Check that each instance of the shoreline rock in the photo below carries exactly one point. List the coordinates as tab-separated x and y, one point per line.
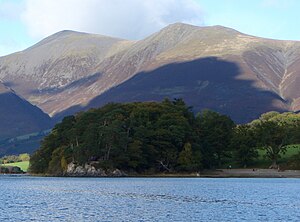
88	170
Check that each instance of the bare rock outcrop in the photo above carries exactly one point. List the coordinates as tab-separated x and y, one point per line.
89	170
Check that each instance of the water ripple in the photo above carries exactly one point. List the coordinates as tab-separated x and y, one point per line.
148	199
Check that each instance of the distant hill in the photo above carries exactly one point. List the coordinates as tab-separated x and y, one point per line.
19	117
210	67
22	144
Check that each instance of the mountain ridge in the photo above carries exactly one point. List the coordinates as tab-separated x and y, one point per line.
71	69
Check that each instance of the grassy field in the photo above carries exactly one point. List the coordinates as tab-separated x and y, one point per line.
263	162
23	165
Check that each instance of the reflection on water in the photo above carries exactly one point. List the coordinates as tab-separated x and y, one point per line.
148	199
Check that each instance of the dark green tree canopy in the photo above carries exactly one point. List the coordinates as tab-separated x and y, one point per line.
162	137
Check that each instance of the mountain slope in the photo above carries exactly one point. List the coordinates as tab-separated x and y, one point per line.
48	67
18	117
200	84
211	67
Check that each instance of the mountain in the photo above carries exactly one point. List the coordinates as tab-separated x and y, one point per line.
210	67
19	117
47	73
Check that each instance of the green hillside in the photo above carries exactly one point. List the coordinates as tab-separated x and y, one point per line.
23	165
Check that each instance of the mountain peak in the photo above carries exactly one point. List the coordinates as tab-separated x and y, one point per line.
57	36
70	37
69	68
180	25
184	26
223	29
173	33
64	33
67	31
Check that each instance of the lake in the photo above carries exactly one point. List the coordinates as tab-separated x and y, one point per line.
25	198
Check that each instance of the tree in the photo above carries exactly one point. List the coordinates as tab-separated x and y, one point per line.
189	160
141	137
294	162
24	157
215	132
244	145
274	132
39	161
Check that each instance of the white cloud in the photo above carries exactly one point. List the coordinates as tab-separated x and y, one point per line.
130	19
10	10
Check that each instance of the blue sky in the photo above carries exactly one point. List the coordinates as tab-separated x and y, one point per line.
277	19
24	22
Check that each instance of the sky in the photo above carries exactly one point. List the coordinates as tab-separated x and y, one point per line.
25	22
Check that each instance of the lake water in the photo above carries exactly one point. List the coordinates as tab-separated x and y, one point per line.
148	199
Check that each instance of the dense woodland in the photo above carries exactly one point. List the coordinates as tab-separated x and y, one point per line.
152	137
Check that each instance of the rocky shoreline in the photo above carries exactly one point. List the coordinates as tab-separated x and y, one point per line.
88	170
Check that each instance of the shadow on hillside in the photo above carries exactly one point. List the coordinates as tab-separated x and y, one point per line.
206	83
19	117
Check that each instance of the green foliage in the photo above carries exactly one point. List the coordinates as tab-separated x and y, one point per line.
189	160
24	157
244	145
274	132
161	137
214	132
23	165
294	162
21	161
135	136
55	164
15	158
39	161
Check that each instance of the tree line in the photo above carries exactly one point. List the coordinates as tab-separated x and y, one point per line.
151	137
14	158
